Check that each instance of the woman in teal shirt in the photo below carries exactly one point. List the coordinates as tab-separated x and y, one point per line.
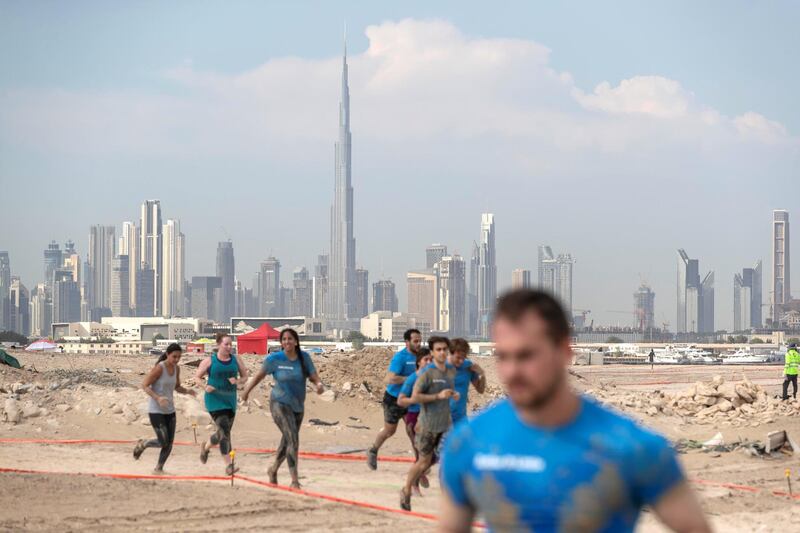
225	371
289	368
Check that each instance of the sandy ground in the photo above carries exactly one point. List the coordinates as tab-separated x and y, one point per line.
87	408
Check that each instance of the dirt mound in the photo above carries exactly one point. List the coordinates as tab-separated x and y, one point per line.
732	403
358	373
101	377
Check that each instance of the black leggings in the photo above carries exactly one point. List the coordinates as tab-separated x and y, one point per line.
164	426
289	423
786	381
224	421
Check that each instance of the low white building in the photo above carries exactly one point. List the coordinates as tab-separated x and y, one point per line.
82	330
129	327
389	327
106	348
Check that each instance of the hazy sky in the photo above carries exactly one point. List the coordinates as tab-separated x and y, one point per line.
617	132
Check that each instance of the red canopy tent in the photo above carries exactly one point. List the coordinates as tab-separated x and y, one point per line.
256	341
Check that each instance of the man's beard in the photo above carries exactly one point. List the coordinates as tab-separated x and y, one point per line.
541	399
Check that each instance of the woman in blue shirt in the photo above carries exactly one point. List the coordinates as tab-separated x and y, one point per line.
289	368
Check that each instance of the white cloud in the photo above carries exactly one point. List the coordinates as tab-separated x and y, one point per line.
755	126
647	95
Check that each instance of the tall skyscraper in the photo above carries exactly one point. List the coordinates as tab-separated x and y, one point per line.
644	307
434	254
102	247
5	285
173	273
472	291
423	296
150	249
301	293
520	279
384	296
41	311
747	294
706	318
781	267
226	271
452	294
145	292
555	276
269	282
66	298
52	260
19	304
205	296
120	290
320	287
342	265
130	244
695	297
361	307
487	274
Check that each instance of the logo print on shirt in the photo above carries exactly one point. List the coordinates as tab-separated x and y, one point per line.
516	463
285	367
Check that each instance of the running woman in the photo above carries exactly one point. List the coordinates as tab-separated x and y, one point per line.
404	400
159	384
225	371
289	368
402	365
466	372
433	391
546	458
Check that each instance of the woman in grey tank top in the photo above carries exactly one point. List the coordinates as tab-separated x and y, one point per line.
160	384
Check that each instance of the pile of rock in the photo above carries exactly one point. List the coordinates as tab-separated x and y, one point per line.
714	402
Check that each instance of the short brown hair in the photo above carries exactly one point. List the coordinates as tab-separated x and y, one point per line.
433	341
460	345
515	304
221	336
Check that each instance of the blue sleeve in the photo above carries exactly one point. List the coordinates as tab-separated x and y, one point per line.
408	386
309	364
456	459
268	366
398	364
655	469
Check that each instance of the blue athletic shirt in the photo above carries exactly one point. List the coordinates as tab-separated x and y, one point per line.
408	390
404	363
290	384
464	374
593	474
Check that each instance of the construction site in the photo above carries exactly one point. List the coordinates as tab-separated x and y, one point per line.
69	423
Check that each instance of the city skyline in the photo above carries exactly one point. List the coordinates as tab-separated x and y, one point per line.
608	271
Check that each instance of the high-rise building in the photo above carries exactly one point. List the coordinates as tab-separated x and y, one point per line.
361	308
240	299
452	295
173	273
52	260
423	296
644	308
150	249
41	311
781	267
269	282
320	287
19	304
472	291
301	293
706	318
434	254
520	279
695	297
130	244
120	290
747	294
145	292
205	296
226	270
285	300
384	296
487	274
5	285
102	249
341	298
66	298
555	276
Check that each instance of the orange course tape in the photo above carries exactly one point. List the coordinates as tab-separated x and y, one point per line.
117	476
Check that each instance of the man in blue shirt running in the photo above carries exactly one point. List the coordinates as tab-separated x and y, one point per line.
402	365
466	372
547	459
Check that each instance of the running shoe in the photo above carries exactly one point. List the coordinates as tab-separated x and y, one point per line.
405	500
372	459
423	481
138	450
273	476
204	453
231	469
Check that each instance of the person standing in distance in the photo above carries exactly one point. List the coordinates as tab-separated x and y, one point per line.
225	371
547	459
790	371
160	383
433	391
466	372
402	365
290	368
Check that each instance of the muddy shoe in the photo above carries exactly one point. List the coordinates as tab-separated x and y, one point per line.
138	450
231	469
273	476
423	481
295	485
405	501
372	459
204	453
